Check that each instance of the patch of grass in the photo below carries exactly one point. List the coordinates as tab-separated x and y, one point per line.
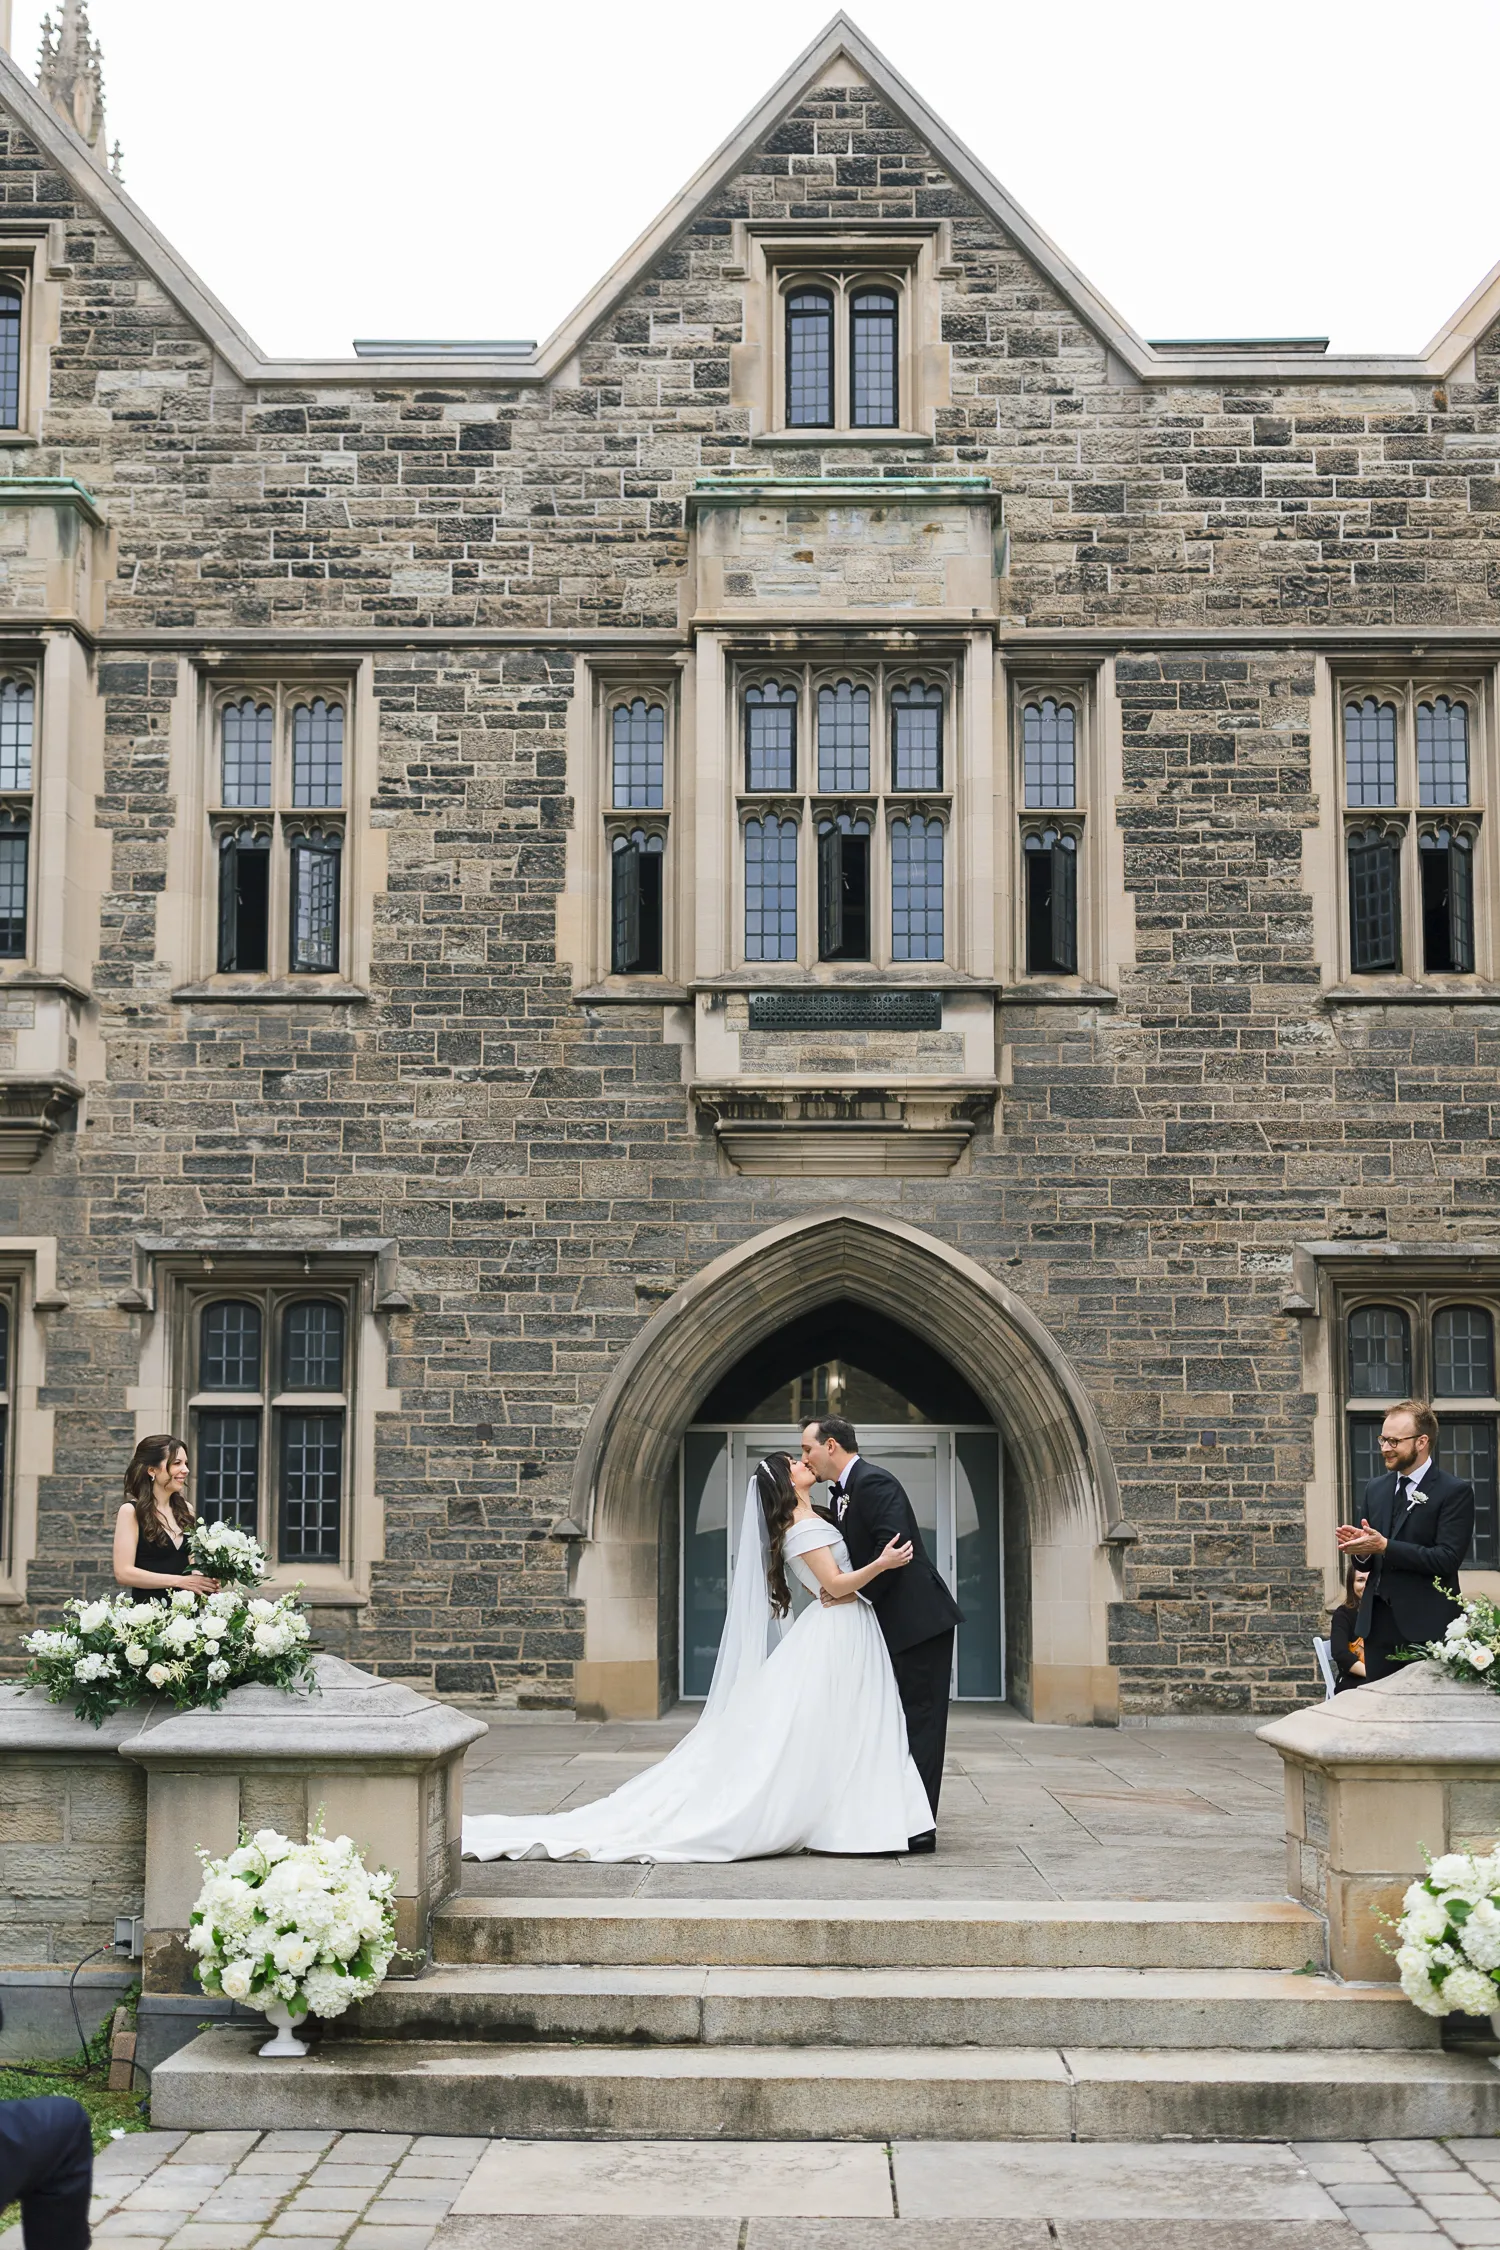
107	2111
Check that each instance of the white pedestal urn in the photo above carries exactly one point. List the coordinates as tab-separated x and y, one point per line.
383	1764
1374	1778
283	2045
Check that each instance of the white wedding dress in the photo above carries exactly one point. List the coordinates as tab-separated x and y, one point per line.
801	1746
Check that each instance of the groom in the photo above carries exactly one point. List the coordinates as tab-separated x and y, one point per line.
913	1607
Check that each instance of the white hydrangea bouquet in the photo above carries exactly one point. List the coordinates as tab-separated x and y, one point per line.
293	1929
190	1648
222	1551
1448	1957
1470	1649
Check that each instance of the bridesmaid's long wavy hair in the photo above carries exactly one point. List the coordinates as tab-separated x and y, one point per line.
778	1500
154	1453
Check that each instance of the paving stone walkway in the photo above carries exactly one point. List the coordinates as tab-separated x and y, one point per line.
1027	1812
392	2191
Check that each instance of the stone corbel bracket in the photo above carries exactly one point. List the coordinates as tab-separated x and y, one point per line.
32	1112
842	1132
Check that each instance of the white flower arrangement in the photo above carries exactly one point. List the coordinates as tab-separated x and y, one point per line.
222	1551
305	1927
1448	1954
191	1648
1470	1649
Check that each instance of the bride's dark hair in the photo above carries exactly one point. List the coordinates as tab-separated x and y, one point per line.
778	1501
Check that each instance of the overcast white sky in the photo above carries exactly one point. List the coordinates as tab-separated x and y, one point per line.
335	168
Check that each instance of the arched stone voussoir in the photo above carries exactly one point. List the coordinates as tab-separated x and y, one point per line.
624	1469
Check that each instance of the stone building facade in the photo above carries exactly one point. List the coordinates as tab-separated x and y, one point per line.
846	811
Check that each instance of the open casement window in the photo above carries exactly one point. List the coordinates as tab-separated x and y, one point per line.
865	801
636	761
271	1386
17	785
1052	828
278	823
1412	829
841	349
1425	1343
636	903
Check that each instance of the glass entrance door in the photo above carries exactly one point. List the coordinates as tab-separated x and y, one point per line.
952	1476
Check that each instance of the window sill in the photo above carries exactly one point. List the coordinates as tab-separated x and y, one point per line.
841	976
843	437
344	1595
633	992
23	979
1405	992
271	991
1075	994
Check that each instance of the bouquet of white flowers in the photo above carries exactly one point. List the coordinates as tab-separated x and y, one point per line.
1470	1649
190	1648
1448	1957
294	1929
221	1551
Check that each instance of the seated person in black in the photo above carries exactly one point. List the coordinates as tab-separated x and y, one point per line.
1348	1648
151	1529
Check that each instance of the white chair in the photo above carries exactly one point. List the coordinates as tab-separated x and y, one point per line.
1323	1651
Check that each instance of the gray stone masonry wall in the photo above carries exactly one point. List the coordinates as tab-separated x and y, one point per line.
72	1855
541	1171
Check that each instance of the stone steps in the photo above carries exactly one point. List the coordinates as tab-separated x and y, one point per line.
846	2093
881	1934
828	2008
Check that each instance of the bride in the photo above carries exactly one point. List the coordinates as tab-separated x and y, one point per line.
802	1741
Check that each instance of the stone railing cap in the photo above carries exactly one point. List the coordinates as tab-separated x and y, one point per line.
1420	1715
347	1714
29	1722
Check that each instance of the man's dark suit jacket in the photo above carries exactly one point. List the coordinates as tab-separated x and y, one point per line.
1427	1541
913	1604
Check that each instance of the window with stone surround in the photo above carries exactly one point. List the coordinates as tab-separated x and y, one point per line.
637	761
277	822
1413	767
1052	733
843	813
268	1378
1436	1343
17	789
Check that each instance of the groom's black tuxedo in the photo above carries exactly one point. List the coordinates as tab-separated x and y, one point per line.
1428	1541
915	1610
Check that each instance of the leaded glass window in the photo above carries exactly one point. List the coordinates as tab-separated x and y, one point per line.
639	732
636	904
312	1477
771	736
844	888
316	860
1379	1352
1374	900
771	889
227	1470
313	1345
843	737
17	722
809	359
917	889
1442	752
230	1356
1466	1449
10	356
1445	860
318	753
246	732
1463	1352
244	901
1370	752
1050	858
917	736
15	868
872	358
1049	741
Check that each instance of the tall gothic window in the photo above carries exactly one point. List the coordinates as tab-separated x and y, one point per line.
1412	831
770	889
843	737
270	1381
872	359
1422	1343
636	902
279	833
809	359
1052	831
917	736
10	355
917	889
842	350
771	736
17	780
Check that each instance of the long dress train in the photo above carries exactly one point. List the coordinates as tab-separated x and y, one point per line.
807	1751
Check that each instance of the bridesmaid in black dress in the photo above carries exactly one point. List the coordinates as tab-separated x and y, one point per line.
152	1527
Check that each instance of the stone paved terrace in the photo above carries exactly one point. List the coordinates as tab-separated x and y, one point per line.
1153	1811
390	2191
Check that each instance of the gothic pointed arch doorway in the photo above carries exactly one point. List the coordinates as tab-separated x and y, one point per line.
768	1297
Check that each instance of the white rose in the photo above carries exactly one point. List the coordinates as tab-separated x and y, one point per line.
159	1675
294	1953
135	1654
1469	1992
1412	1968
213	1627
1480	1936
1479	1656
182	1598
91	1615
236	1977
1451	1871
271	1844
218	1670
266	1639
262	1609
1425	1918
180	1633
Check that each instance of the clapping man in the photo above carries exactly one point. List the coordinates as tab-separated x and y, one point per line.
1415	1528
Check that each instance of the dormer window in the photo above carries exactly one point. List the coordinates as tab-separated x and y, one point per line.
842	351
